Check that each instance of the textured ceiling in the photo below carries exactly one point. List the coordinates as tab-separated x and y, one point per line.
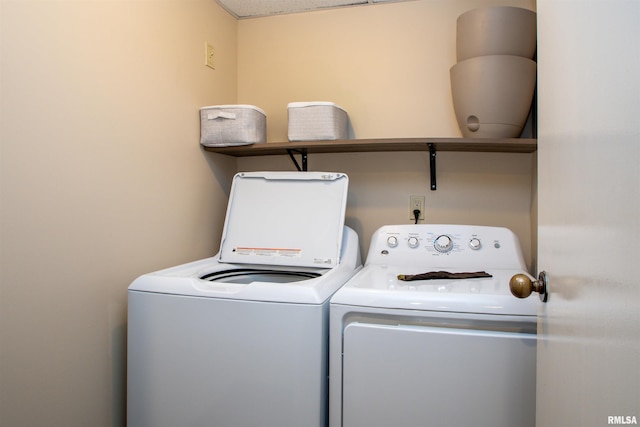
253	8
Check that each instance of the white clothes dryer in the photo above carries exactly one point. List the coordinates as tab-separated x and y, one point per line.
428	333
241	339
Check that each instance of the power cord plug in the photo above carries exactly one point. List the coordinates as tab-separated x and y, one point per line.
416	214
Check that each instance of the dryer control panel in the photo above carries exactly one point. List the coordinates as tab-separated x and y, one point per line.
441	245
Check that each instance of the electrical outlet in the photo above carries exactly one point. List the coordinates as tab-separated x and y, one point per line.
416	202
210	56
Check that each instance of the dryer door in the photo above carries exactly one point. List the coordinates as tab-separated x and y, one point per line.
433	376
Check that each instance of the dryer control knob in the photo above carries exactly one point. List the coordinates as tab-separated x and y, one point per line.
413	242
475	244
392	241
443	243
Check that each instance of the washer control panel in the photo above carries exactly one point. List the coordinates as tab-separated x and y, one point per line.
442	245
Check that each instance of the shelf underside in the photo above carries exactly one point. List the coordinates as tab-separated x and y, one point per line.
511	145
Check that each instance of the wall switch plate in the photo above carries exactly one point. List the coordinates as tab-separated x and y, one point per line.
210	56
416	202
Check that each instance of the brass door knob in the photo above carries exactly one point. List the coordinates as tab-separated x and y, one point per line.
522	286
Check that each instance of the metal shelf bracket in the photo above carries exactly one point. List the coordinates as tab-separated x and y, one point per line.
432	166
303	157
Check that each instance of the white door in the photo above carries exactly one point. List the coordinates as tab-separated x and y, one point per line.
589	212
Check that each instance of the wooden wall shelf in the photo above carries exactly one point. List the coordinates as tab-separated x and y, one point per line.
432	145
511	145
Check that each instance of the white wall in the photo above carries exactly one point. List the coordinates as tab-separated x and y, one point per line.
102	179
388	66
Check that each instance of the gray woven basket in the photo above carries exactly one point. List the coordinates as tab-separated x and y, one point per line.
227	125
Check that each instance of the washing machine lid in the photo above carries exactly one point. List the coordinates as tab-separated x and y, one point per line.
285	218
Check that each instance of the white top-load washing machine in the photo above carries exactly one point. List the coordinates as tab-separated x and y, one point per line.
241	339
450	347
